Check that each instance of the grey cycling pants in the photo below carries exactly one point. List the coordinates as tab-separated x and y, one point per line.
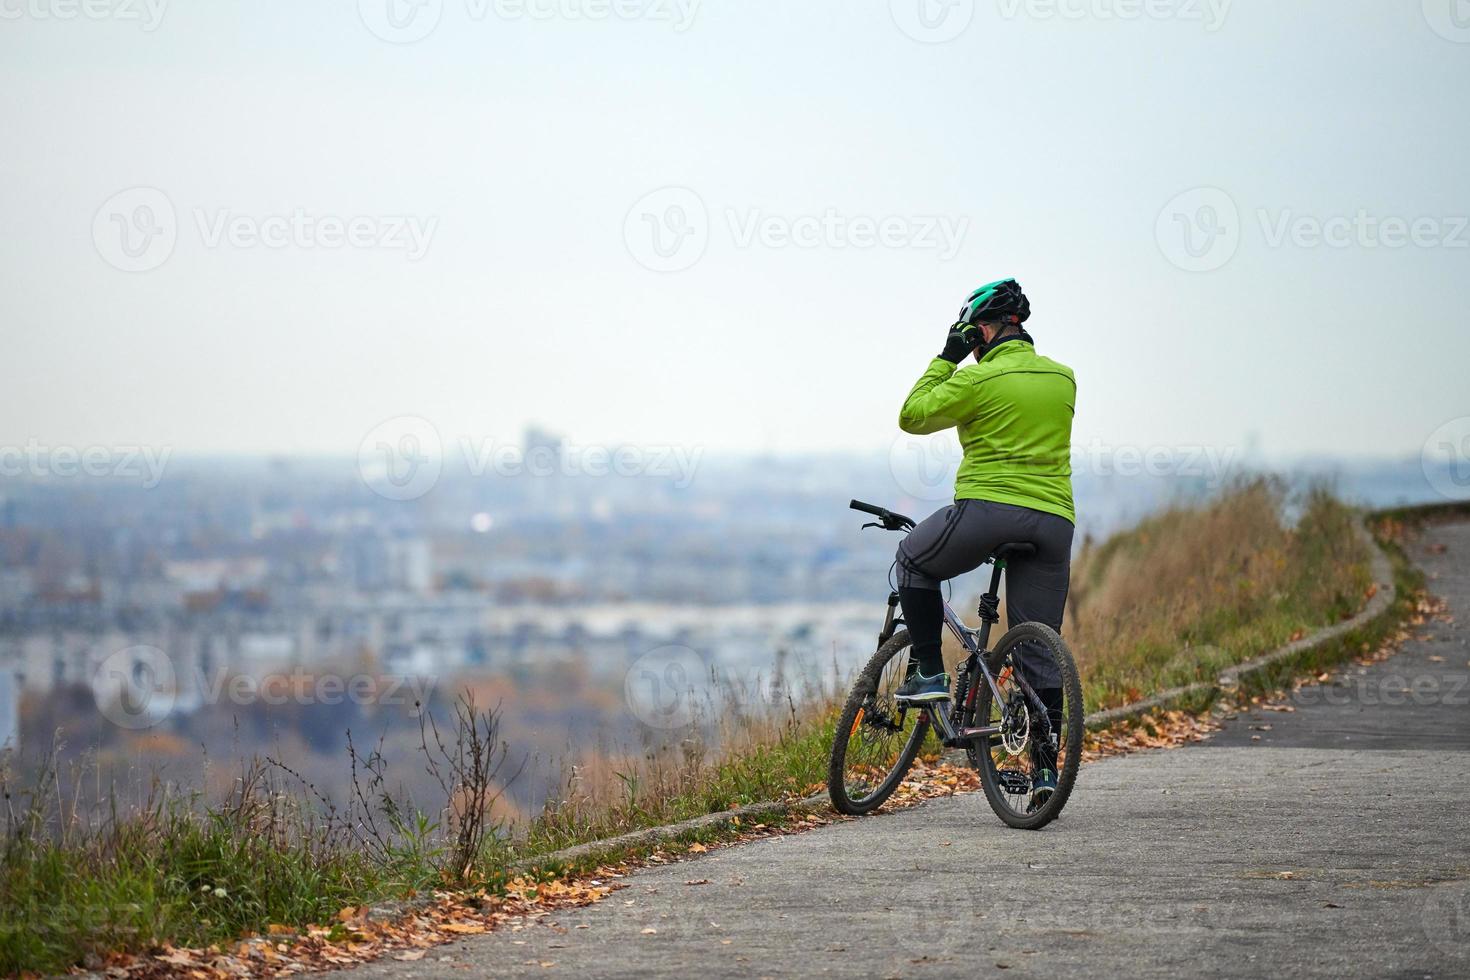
960	537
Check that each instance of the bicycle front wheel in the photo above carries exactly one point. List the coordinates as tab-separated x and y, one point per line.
876	738
1009	762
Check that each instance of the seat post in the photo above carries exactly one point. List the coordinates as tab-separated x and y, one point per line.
989	610
1000	566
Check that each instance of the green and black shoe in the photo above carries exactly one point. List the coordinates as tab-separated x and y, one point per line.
1042	787
919	688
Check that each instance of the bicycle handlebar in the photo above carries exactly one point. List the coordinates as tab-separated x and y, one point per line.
889	520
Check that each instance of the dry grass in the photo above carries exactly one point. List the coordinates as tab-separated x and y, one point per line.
752	742
1193	590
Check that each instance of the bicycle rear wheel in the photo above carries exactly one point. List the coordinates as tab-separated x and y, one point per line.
1008	762
876	739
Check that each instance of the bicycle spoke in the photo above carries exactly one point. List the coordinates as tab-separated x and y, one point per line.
877	736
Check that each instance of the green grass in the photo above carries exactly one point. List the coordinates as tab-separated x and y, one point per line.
176	871
791	762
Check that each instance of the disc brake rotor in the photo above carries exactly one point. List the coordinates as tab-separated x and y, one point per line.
1016	725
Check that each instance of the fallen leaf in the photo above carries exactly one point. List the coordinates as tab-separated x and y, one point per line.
697	849
650	931
464	928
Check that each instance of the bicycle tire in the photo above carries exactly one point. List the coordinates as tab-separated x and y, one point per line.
848	726
983	758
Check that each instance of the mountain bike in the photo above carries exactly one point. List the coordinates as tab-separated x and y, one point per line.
993	713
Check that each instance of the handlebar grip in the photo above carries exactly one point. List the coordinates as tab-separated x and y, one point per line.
868	508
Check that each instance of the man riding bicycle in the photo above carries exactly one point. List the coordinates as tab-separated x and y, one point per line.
1013	409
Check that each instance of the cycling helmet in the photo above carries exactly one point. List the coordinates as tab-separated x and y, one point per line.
1000	301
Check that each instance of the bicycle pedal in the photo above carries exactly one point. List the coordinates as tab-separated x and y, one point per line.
1016	783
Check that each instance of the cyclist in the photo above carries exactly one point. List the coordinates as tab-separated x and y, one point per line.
1013	409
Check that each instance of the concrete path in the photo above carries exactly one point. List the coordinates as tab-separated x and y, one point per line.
1333	843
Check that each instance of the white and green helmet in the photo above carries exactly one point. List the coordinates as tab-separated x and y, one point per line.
997	301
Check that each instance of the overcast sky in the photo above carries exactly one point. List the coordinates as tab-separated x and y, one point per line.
270	225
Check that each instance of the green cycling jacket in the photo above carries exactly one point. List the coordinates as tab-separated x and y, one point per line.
1014	413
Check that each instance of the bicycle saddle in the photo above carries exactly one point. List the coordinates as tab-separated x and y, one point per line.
1013	550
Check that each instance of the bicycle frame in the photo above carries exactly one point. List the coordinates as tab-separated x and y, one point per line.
977	645
975	642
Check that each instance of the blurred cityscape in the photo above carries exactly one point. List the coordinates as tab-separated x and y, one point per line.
538	591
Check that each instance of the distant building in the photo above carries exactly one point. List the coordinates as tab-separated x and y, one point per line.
9	709
543	452
411	564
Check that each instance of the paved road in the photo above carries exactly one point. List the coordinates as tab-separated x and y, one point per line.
1334	843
